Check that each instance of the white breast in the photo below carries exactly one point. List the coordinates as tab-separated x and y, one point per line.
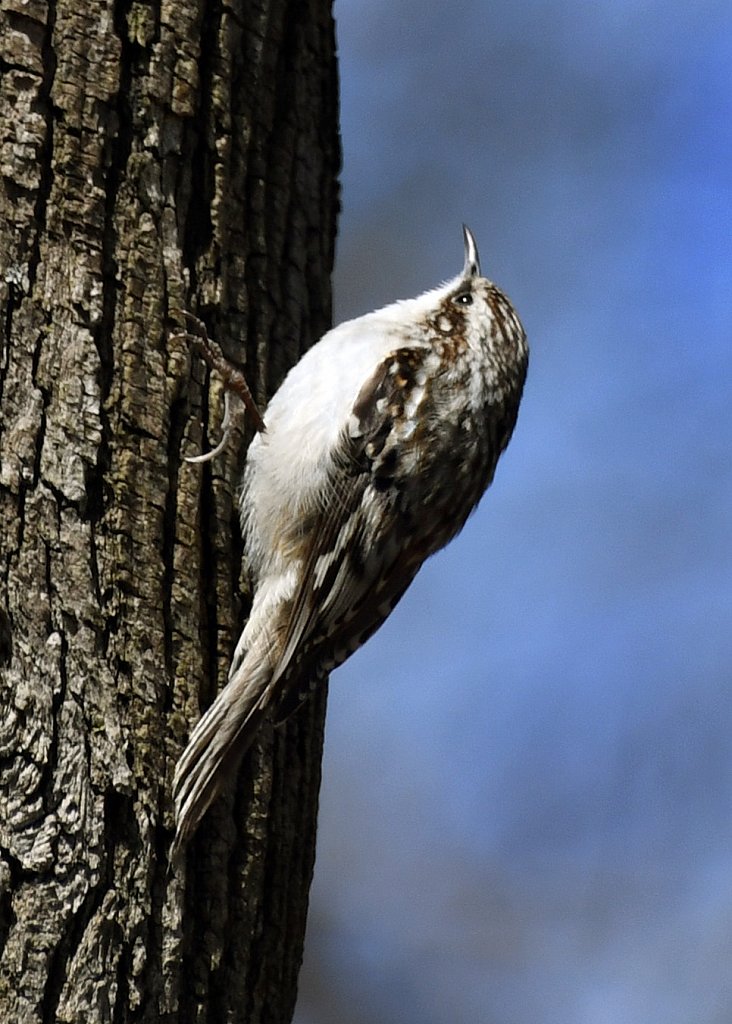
288	466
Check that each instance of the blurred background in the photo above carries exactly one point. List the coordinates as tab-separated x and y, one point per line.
527	792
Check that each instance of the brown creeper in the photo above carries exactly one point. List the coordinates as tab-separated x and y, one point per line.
376	448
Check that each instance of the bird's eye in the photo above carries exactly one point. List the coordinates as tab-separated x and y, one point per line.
463	298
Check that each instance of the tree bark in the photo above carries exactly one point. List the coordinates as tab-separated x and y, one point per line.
155	154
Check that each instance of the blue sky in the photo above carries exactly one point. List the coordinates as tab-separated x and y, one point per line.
527	793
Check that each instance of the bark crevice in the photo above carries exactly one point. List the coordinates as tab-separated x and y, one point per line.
155	155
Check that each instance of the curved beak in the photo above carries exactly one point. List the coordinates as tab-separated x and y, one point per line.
472	259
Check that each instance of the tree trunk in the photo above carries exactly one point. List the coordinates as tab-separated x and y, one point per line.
155	154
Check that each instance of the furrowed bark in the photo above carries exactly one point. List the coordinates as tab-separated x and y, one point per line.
153	155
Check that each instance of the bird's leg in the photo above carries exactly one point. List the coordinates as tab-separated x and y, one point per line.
233	379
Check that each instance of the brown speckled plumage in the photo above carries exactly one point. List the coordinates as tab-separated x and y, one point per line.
378	446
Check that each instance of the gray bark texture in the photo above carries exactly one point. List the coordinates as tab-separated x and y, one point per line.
154	154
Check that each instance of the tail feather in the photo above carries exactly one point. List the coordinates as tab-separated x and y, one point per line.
218	743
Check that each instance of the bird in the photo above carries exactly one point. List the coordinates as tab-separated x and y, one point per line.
370	457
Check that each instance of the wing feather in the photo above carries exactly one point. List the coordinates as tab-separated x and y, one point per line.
358	562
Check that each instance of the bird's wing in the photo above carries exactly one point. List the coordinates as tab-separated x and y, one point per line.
362	553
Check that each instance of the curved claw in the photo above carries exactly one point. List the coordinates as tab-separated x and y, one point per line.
225	426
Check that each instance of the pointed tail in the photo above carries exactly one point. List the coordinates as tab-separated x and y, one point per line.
218	743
